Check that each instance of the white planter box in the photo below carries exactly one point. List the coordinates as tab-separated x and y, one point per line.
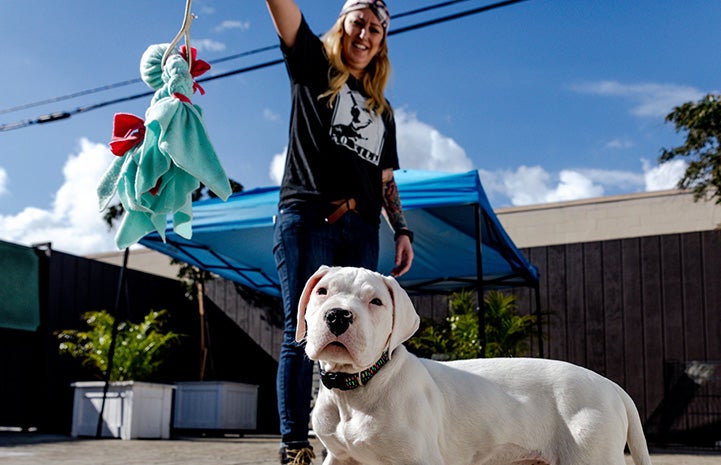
132	409
215	405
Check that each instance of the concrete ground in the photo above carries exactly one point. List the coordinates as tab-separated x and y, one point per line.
38	449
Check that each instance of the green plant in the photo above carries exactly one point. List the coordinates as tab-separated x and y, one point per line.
507	333
463	322
430	340
139	348
701	121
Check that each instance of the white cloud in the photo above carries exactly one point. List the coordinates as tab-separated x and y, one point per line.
230	24
569	185
573	185
206	9
269	115
650	99
3	181
73	223
277	166
663	176
620	144
626	181
534	185
529	185
420	147
526	186
207	45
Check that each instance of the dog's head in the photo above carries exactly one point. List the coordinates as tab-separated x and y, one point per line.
349	316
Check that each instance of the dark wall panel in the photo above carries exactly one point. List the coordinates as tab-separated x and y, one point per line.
711	257
594	305
633	361
612	303
555	302
692	295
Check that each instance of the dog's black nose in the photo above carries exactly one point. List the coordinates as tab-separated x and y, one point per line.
338	320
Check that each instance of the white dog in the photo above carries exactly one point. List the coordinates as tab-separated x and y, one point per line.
381	405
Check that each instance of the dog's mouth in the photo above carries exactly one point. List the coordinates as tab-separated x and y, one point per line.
335	347
335	351
335	356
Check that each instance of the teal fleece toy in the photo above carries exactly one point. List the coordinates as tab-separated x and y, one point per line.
163	160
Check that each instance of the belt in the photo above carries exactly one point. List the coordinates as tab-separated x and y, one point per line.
344	206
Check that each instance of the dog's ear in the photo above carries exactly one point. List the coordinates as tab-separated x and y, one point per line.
405	318
304	298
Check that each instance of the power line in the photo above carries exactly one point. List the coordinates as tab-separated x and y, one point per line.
67	114
70	96
452	17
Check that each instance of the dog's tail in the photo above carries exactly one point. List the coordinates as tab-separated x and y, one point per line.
635	437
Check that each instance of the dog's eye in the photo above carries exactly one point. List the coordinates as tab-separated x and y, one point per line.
321	291
376	301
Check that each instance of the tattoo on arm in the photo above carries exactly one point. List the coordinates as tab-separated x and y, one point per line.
392	205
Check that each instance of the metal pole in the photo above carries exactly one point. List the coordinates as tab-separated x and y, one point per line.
539	323
479	284
113	337
201	313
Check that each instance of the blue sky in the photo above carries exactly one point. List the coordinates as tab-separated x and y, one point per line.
550	100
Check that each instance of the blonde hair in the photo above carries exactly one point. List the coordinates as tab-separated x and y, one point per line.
374	78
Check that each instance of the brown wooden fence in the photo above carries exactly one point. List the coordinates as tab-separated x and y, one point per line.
636	310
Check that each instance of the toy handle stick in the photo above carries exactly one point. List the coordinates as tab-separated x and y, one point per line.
184	30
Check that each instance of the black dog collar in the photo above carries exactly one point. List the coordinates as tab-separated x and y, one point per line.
348	381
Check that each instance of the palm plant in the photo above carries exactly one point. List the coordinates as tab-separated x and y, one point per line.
139	347
507	333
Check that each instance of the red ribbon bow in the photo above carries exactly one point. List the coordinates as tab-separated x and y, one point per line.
128	131
197	67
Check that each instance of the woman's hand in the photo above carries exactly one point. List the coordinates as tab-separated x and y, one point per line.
404	256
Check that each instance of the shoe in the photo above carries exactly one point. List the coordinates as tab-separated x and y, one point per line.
301	456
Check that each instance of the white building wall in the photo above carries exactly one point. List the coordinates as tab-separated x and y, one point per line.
613	217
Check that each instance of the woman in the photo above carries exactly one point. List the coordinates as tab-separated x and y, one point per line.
338	176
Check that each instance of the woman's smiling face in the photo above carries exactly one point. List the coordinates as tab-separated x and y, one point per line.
363	36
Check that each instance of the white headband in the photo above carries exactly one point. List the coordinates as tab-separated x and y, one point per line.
378	7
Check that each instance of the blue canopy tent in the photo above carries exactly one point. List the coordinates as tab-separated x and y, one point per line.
459	242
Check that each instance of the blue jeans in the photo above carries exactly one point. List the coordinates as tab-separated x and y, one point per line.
302	242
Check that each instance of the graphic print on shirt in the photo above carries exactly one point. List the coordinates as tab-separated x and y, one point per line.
357	128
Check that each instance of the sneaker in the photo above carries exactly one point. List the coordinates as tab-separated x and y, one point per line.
301	456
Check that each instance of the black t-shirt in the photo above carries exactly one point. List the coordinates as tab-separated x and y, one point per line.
336	152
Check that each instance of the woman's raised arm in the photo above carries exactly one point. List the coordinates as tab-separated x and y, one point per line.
286	17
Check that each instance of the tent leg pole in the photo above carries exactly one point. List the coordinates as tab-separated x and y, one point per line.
539	322
479	284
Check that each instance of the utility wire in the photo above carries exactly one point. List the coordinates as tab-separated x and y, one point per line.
67	114
69	96
455	16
